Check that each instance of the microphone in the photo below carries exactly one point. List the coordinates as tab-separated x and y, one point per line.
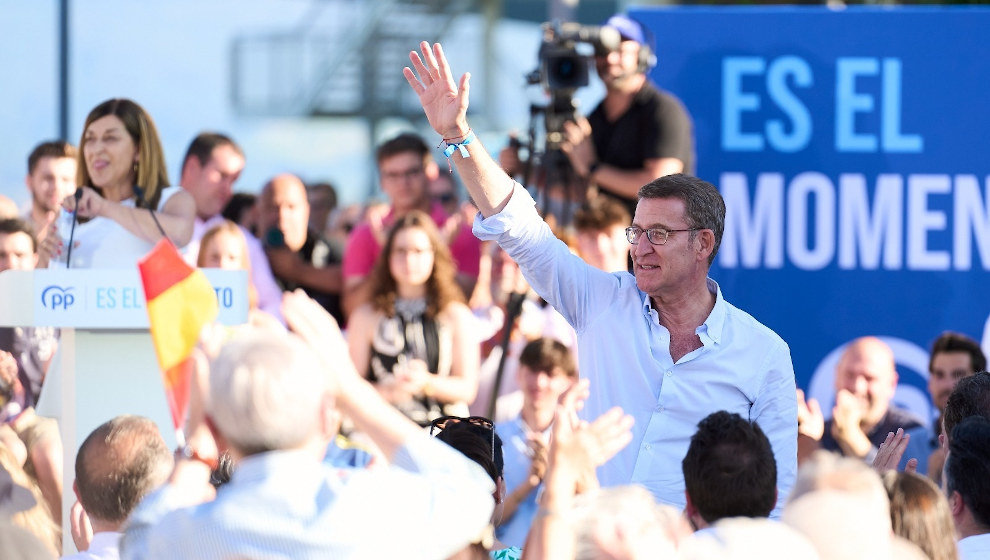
72	229
139	194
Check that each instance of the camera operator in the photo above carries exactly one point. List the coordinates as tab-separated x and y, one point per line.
637	133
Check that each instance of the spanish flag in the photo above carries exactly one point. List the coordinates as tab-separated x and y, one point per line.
180	302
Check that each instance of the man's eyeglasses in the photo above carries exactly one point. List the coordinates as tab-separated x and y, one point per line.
656	236
439	424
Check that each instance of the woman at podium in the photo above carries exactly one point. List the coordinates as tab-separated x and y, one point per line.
123	204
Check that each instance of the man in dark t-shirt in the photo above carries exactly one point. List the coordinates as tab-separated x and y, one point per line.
299	257
864	412
637	133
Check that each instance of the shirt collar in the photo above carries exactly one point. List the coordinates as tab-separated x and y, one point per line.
711	329
262	466
104	540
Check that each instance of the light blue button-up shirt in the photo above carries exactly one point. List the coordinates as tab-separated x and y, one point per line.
515	452
742	366
429	503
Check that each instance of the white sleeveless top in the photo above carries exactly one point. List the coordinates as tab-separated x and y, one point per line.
102	242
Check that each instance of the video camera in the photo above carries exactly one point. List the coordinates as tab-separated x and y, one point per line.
563	68
564	60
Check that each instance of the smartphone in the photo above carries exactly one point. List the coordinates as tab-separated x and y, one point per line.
274	238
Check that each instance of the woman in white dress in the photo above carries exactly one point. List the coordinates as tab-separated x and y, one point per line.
122	178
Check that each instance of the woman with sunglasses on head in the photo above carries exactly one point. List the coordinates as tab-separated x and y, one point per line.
123	205
413	339
476	439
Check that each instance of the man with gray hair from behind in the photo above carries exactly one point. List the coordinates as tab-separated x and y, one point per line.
119	462
840	505
275	402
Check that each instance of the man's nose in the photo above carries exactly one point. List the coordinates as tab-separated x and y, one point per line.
861	385
643	247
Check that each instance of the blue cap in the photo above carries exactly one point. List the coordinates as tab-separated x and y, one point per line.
628	28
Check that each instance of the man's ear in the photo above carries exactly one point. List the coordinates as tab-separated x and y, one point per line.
706	243
956	504
75	490
689	508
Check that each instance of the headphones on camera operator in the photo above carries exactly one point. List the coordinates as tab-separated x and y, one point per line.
632	30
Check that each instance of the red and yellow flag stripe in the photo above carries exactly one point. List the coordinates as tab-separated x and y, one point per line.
180	301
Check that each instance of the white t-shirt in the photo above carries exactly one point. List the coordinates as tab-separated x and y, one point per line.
975	547
102	242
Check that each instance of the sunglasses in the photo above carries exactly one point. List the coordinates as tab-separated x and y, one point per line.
442	422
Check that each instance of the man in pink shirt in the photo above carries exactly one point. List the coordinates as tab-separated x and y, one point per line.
406	169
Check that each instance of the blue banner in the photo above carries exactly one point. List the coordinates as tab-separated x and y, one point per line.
850	147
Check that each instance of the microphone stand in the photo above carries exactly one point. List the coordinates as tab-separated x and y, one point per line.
139	192
72	229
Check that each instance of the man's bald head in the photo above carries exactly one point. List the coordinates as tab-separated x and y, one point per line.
285	207
8	208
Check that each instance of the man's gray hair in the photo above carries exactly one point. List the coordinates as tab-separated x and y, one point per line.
266	391
703	204
625	522
840	505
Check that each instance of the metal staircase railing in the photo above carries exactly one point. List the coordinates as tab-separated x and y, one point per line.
341	60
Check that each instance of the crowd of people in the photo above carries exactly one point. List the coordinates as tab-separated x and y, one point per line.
434	379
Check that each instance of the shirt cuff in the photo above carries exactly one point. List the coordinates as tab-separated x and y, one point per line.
490	228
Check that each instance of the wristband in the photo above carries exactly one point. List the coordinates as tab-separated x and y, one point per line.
459	146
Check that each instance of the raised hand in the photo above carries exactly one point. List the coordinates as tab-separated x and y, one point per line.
50	246
811	421
311	322
80	527
538	453
890	453
444	102
847	416
584	446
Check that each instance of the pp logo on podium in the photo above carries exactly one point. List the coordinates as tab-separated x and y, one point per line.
58	298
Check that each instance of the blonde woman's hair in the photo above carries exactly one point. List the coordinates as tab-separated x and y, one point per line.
230	228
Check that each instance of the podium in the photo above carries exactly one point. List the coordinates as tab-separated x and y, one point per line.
105	364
